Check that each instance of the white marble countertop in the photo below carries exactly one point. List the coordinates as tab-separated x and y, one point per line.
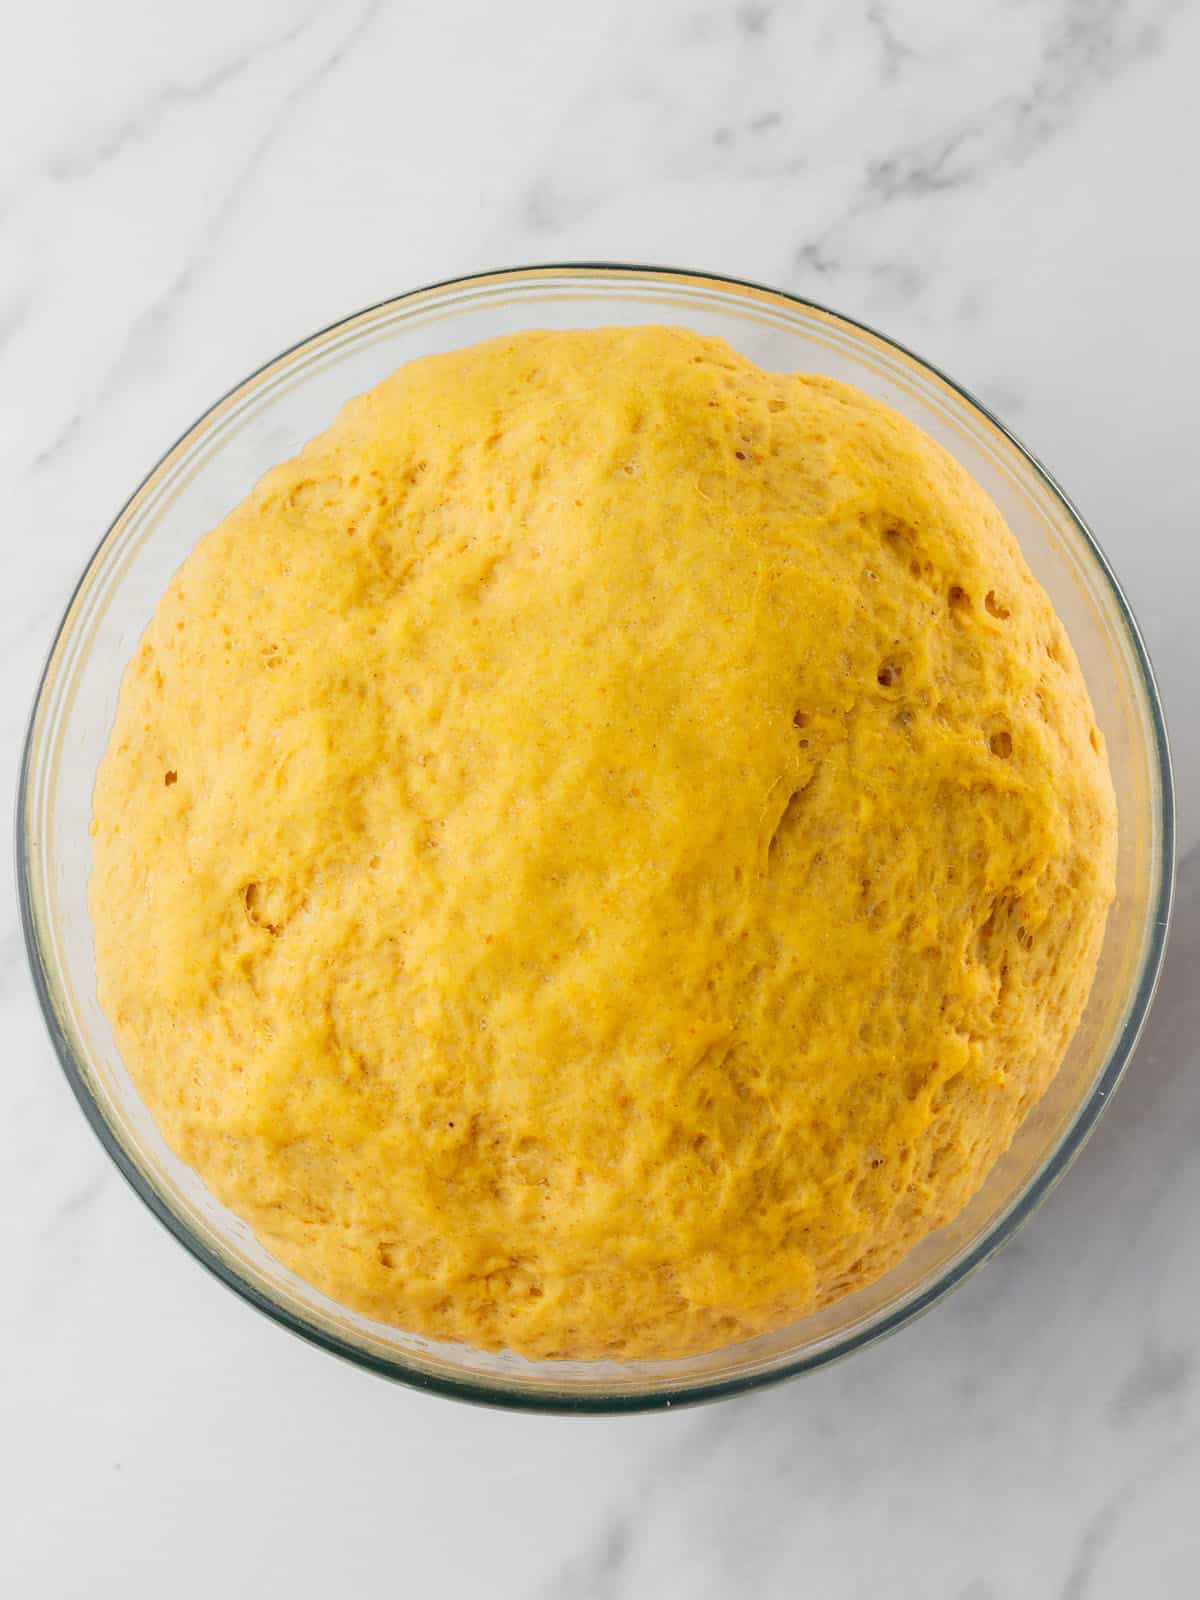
1010	188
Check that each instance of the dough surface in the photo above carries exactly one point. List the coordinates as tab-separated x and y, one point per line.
598	854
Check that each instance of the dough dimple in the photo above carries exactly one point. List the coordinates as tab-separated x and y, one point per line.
598	854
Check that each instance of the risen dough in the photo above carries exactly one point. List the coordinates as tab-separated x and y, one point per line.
598	854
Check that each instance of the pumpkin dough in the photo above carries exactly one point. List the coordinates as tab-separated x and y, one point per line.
598	854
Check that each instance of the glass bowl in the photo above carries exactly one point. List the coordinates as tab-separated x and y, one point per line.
267	418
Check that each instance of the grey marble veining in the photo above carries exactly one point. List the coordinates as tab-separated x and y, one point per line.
1009	187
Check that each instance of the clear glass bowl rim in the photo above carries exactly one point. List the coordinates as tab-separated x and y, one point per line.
1037	1187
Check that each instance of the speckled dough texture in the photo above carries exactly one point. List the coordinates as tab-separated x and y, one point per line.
598	854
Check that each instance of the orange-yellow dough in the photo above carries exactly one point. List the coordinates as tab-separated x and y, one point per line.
598	854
